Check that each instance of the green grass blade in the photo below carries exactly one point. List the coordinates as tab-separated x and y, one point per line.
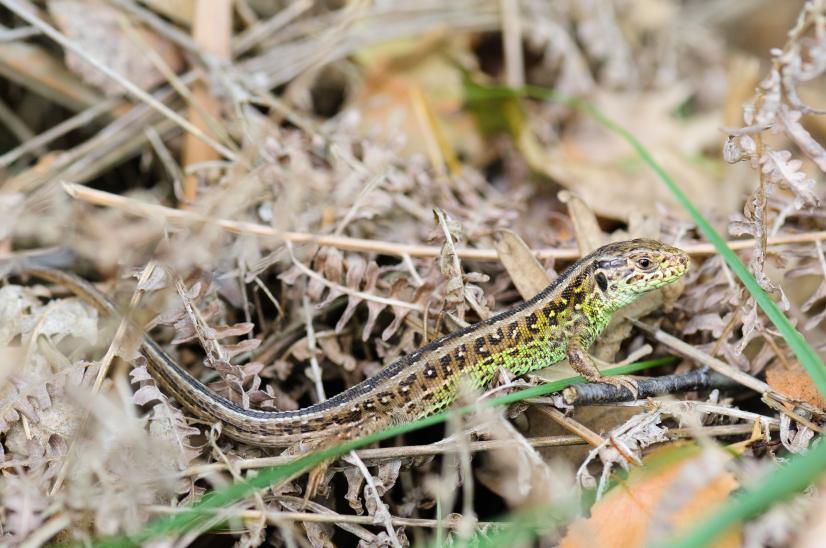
203	511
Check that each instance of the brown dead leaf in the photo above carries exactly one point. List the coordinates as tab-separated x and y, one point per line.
795	382
627	514
602	169
527	274
588	234
424	63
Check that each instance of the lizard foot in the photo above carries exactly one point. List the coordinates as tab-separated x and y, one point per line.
623	381
314	479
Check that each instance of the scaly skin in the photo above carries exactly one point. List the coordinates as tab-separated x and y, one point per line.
561	321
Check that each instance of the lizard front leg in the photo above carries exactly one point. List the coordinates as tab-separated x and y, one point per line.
583	364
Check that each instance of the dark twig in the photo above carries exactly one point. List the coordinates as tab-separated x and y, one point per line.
702	379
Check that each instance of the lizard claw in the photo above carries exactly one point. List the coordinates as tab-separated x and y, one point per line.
624	381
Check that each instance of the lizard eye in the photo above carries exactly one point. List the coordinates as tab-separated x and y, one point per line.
644	263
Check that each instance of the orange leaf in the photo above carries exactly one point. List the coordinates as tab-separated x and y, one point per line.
655	500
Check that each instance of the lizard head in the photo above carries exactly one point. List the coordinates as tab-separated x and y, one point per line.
623	271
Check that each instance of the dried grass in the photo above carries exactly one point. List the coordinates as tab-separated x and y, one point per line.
322	242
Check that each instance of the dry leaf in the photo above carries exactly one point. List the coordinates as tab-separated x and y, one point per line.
527	274
627	513
795	382
394	68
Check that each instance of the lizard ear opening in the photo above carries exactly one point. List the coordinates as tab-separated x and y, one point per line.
602	281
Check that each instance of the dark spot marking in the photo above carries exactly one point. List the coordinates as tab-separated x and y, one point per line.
430	372
353	416
445	362
411	378
427	396
602	281
514	332
554	308
481	347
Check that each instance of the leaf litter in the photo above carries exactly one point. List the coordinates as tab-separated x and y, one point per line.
365	127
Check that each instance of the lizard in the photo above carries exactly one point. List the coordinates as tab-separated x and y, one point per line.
562	321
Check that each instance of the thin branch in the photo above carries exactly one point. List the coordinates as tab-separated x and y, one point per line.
275	517
249	38
313	349
143	209
382	511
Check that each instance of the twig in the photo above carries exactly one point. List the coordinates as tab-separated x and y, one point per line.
167	160
512	42
677	408
294	504
382	511
781	408
589	436
725	369
161	26
313	349
693	353
15	124
590	394
46	531
17	33
250	37
143	209
275	517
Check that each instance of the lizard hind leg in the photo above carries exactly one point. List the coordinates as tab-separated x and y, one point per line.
315	479
317	475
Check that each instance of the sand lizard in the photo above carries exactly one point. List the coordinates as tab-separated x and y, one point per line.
560	322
